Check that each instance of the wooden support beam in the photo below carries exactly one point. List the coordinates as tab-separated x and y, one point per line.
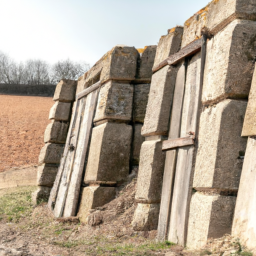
178	143
88	90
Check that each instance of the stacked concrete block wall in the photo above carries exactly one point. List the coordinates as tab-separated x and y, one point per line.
116	137
155	128
54	138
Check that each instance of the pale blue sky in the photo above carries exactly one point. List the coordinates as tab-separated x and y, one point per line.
84	30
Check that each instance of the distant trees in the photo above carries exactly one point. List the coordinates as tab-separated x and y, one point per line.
38	71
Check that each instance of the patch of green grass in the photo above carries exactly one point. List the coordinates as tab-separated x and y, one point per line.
16	203
205	252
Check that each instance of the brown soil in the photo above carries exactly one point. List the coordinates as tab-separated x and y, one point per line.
23	120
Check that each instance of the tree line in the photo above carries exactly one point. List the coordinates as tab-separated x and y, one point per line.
38	71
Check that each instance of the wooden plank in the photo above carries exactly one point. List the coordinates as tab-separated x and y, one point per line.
55	188
67	169
170	162
186	51
82	149
178	143
88	90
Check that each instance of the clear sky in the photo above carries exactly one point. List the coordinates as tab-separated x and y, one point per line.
84	30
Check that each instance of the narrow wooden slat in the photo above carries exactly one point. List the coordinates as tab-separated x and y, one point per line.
178	143
82	149
186	51
88	90
170	160
54	190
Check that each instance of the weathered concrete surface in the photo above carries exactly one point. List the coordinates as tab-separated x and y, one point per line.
249	127
46	174
150	177
146	217
81	85
109	153
146	61
168	44
51	153
65	90
17	177
92	197
244	224
56	132
114	102
210	217
220	146
141	93
41	195
138	139
120	63
159	102
229	66
60	111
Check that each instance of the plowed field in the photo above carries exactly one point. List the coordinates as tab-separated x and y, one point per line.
23	120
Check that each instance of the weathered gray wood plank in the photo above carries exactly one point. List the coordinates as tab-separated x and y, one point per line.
88	90
178	143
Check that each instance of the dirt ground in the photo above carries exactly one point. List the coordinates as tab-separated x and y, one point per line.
23	120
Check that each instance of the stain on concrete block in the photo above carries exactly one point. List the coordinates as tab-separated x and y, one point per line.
46	174
109	153
221	148
210	217
41	195
138	139
51	153
151	168
92	197
56	132
146	217
114	102
65	90
141	93
60	111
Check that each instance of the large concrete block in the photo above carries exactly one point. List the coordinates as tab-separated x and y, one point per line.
41	195
151	168
168	44
46	174
146	62
229	62
114	102
81	85
92	197
56	132
158	111
141	93
244	224
146	217
210	217
109	153
65	90
138	139
220	146
51	153
60	111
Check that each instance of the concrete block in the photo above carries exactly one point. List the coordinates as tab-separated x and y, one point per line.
65	90
210	217
46	174
138	139
158	111
41	195
146	217
146	62
221	148
168	44
109	153
114	102
81	85
56	132
51	153
92	197
60	111
229	62
151	168
244	224
141	93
